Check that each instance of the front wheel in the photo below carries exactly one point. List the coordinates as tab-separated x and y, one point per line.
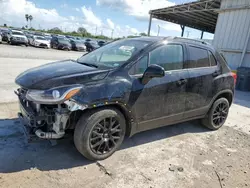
100	133
217	115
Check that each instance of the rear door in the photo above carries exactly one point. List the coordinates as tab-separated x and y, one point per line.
202	69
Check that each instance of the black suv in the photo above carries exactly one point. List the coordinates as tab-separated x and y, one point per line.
125	87
61	43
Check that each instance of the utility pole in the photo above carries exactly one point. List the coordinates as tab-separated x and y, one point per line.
158	30
188	33
95	30
112	32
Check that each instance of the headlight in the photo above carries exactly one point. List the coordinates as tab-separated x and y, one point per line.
52	96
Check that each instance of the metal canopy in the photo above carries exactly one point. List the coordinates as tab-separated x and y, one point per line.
201	15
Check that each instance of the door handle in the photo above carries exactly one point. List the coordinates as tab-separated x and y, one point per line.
216	73
181	82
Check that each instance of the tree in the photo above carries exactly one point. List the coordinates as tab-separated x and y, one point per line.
30	18
82	31
5	25
27	18
143	34
55	30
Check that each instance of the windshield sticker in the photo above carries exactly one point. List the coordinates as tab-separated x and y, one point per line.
127	48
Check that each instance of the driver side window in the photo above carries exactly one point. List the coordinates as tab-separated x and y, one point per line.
170	57
140	66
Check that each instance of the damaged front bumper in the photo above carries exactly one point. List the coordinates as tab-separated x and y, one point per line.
41	120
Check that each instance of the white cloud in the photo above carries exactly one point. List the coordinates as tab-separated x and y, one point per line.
111	25
12	12
170	26
138	8
77	9
90	18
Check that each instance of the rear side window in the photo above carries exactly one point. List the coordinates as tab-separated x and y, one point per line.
212	59
198	57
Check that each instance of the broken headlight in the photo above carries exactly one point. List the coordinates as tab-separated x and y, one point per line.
54	95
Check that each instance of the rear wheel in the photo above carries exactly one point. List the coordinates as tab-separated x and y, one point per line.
100	133
217	115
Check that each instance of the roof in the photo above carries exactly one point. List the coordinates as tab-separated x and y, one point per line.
200	15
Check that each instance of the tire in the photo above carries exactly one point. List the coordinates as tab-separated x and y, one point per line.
90	124
217	114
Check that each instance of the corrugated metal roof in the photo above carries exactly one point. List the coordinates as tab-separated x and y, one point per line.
200	15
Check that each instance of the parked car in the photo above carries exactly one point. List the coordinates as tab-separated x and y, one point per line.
18	37
6	36
101	43
40	41
91	45
0	37
30	38
61	43
128	86
77	45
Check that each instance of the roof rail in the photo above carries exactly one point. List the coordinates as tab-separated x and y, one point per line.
193	40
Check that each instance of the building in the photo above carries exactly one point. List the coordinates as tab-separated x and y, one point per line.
229	20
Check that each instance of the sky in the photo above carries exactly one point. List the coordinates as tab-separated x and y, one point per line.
108	17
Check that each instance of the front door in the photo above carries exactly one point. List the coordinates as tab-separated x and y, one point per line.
162	100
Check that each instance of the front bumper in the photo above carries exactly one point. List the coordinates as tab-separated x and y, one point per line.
41	120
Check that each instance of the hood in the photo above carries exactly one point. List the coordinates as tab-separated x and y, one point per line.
20	36
58	74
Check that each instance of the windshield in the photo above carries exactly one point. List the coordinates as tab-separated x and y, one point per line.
17	33
63	40
40	38
114	54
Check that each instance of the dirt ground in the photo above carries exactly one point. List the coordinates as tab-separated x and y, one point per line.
181	156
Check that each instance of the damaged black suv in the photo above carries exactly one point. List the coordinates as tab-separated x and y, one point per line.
125	87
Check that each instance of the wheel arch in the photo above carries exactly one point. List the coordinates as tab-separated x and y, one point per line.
228	94
126	113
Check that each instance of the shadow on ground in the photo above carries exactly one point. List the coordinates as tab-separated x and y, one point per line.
17	156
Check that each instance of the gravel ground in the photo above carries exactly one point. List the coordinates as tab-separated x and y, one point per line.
183	155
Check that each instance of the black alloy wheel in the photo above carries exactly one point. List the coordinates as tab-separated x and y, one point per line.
99	133
105	135
217	114
220	114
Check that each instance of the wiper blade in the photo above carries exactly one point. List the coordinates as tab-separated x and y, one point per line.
89	64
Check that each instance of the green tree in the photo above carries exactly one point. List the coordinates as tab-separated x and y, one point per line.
143	34
27	18
82	30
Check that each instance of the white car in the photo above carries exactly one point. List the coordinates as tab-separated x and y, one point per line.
40	41
18	37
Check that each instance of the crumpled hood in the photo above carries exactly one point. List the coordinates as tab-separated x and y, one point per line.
57	74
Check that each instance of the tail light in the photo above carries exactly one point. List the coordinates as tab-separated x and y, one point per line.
234	75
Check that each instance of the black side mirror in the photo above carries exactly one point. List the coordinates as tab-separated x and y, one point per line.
153	71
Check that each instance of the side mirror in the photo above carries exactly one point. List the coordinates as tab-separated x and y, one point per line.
153	71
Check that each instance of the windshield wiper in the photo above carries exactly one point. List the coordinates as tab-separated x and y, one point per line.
89	64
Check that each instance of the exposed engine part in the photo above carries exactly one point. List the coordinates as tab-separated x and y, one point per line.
59	126
61	118
48	135
38	107
73	106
